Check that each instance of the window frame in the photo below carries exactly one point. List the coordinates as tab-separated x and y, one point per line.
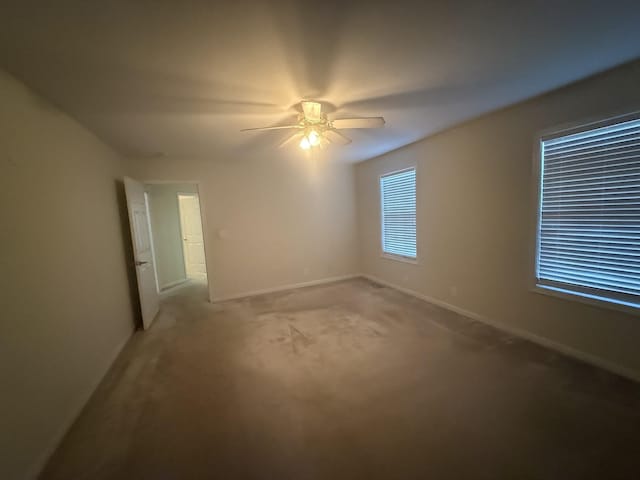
387	255
551	288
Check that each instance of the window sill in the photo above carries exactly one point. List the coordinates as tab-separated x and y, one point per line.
589	299
398	258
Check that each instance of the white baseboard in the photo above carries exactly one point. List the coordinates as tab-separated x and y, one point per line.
74	413
175	283
517	332
177	286
290	286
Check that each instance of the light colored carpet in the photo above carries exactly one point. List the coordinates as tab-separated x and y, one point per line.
346	381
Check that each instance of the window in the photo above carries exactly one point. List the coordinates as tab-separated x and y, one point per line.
398	195
589	213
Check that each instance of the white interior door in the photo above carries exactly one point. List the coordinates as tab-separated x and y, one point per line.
142	251
192	238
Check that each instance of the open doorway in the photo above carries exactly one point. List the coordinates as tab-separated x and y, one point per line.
177	234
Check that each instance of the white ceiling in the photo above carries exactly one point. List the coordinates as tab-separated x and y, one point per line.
182	78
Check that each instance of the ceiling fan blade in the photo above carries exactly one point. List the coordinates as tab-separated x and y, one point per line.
335	136
362	122
312	111
277	127
291	138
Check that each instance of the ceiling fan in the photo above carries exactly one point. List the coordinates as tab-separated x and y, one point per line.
314	129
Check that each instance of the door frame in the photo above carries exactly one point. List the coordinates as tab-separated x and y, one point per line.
206	238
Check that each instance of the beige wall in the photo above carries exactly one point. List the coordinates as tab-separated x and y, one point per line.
65	309
165	224
268	222
474	220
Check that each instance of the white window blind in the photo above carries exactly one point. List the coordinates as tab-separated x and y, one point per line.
398	195
589	219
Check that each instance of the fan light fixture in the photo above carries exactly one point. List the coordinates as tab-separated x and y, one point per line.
317	130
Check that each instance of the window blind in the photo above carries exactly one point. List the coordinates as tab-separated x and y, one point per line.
589	221
398	195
